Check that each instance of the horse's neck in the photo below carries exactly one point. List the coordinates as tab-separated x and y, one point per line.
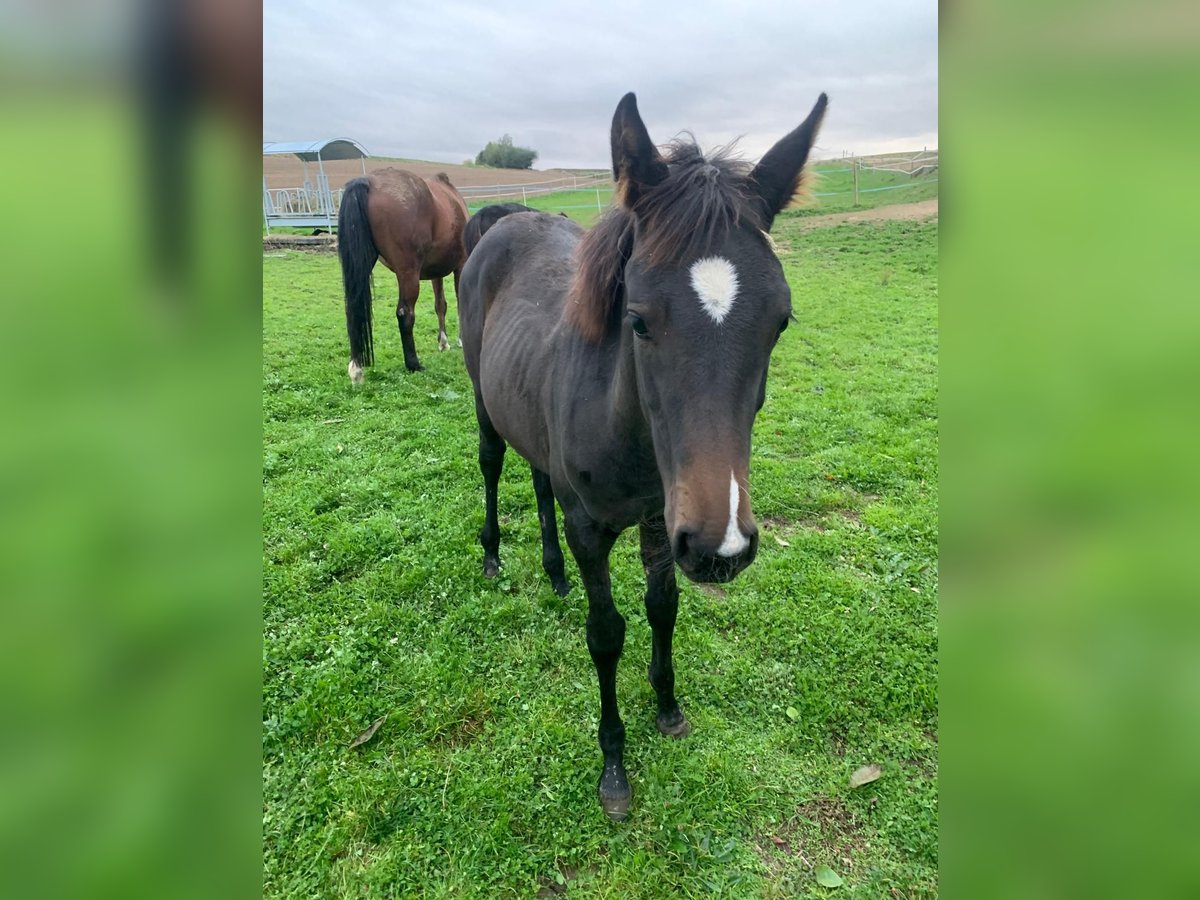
625	403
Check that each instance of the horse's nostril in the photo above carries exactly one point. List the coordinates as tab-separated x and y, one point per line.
682	540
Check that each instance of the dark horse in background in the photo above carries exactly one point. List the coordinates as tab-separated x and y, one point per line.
478	224
415	225
627	365
482	221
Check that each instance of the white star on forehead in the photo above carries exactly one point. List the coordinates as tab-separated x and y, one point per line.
716	283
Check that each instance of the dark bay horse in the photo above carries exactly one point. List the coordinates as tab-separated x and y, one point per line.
478	224
415	225
627	365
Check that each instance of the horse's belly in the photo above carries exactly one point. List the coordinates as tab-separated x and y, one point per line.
513	378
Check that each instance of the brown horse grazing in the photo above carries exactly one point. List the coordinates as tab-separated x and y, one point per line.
416	226
627	365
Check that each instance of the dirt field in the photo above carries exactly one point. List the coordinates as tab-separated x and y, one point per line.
922	209
287	171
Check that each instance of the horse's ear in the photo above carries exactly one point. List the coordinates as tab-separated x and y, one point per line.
777	175
637	164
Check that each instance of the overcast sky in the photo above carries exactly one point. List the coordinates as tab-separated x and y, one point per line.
438	79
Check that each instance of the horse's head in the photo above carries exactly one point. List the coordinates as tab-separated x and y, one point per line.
705	301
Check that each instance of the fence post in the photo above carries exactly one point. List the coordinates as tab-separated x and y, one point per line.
524	199
267	209
599	208
854	169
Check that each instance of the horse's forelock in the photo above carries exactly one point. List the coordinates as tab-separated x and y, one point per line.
698	203
595	295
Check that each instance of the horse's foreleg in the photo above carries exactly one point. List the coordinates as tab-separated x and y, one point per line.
662	603
552	556
406	315
590	544
439	303
491	464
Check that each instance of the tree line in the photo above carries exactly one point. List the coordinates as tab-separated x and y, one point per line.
503	154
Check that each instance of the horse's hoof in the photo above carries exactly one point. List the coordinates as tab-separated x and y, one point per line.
417	368
614	793
443	344
616	808
562	587
490	569
676	729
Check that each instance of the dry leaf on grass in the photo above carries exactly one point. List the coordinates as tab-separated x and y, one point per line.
865	775
368	734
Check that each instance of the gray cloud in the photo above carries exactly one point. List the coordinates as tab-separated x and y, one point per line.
431	79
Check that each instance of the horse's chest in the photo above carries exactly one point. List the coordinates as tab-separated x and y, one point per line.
617	481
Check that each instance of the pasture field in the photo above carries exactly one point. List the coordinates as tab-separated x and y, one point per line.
579	205
874	189
481	781
834	181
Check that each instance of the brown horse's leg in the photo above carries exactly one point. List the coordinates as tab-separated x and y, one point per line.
439	303
590	544
410	289
552	555
662	602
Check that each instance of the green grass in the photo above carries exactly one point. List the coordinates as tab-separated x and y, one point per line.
818	659
579	205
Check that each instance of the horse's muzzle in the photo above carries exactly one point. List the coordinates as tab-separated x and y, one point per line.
704	564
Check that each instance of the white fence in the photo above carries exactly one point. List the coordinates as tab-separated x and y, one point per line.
313	206
598	184
918	164
302	202
534	188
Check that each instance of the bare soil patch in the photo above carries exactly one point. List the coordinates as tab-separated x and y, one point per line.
921	209
841	837
288	172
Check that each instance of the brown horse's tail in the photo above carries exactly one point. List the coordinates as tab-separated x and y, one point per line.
356	249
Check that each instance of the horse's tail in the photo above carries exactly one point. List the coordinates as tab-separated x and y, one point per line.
357	251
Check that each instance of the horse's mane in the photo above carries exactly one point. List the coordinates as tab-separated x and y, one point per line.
698	202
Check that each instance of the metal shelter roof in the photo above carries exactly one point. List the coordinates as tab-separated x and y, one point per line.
311	151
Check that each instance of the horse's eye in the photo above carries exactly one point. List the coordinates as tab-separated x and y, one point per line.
638	324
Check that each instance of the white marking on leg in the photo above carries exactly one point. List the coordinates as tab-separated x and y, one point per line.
735	542
716	284
443	343
356	372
